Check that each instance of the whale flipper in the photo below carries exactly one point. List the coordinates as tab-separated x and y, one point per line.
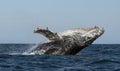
68	42
48	34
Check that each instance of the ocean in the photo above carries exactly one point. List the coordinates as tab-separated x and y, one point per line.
97	57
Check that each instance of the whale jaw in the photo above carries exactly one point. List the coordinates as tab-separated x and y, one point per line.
67	43
81	38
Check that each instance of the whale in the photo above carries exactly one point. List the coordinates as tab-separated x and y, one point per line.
68	42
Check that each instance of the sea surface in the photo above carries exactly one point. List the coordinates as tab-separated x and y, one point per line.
97	57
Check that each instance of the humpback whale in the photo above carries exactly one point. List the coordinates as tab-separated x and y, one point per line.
69	42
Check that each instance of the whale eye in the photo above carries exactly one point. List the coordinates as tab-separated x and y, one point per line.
88	37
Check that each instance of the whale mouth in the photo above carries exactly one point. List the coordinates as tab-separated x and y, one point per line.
100	30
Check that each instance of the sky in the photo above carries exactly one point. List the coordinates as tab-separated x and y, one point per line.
18	18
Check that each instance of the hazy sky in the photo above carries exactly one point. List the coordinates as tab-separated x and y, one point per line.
18	18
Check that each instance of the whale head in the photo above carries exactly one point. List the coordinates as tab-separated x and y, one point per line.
80	38
92	34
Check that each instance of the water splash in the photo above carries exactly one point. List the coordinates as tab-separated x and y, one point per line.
28	52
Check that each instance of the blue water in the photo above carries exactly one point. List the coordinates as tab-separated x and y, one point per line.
97	57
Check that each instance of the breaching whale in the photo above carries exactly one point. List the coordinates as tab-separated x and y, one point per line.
69	42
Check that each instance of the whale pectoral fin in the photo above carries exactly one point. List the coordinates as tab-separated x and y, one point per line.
47	33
